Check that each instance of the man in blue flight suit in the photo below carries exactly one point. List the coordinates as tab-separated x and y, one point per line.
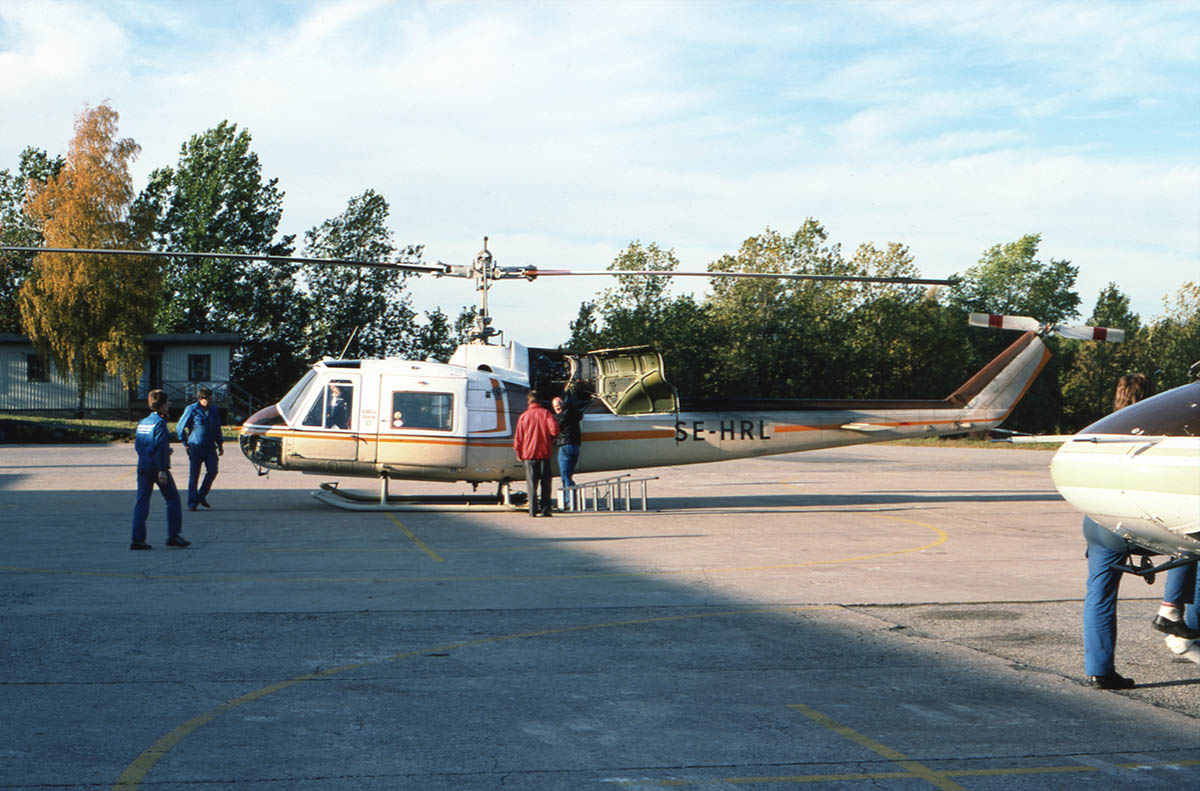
199	428
154	467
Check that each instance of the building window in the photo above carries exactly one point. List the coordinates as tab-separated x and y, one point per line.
199	367
35	369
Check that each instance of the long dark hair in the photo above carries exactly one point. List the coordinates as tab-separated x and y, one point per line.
1131	388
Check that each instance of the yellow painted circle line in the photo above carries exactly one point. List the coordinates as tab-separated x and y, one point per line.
132	777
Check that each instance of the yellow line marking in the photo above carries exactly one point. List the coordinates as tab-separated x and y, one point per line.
132	777
413	536
936	779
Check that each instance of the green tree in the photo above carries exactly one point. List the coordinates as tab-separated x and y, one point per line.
1009	279
215	200
1173	339
634	308
361	309
1090	369
638	310
18	229
585	330
900	342
88	313
436	337
781	338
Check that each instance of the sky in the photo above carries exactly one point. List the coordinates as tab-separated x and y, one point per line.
564	131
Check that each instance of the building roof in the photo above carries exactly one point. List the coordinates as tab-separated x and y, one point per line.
213	338
208	338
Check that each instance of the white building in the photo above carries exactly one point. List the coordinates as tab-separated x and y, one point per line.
177	364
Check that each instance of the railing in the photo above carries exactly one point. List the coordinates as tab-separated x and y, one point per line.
236	403
613	490
244	399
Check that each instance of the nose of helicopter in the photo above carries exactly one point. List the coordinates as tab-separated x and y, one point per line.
257	445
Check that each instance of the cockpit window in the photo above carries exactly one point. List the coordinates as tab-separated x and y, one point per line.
288	403
334	407
1175	413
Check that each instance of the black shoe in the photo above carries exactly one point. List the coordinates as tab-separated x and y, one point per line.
178	541
1177	628
140	545
1111	681
204	503
191	508
547	513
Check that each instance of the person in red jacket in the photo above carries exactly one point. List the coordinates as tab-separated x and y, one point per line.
534	442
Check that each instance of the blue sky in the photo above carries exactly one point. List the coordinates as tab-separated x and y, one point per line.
564	131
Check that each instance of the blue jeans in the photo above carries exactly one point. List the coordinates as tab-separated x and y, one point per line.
1179	589
568	457
141	510
1100	609
196	457
1182	588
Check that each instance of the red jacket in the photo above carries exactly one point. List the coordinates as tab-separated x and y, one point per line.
536	430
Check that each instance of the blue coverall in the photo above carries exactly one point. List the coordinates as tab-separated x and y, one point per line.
154	458
200	430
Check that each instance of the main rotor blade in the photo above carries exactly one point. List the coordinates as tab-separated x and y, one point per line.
437	269
532	273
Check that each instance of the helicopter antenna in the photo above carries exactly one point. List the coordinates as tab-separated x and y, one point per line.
349	340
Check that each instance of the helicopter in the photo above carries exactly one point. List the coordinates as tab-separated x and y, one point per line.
449	422
1136	472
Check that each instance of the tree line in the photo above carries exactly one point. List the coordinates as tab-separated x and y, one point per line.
748	338
88	313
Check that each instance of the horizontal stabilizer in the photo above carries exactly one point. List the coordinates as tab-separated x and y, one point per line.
864	427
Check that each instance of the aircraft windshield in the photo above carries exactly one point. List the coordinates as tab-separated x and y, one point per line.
1175	413
287	404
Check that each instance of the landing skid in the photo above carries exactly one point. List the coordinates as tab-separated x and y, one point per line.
503	500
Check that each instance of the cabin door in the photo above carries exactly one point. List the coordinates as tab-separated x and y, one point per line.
422	422
330	425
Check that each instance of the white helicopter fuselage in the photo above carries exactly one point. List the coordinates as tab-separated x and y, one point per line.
454	421
1137	472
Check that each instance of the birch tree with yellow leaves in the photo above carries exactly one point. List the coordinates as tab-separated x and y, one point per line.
89	312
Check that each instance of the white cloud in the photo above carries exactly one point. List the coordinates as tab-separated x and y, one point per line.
566	130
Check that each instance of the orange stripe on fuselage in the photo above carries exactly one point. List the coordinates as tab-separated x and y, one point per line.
408	440
650	433
501	421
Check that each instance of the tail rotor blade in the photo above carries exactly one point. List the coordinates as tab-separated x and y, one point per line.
1022	323
1084	333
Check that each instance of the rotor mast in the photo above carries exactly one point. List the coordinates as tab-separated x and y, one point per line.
481	271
